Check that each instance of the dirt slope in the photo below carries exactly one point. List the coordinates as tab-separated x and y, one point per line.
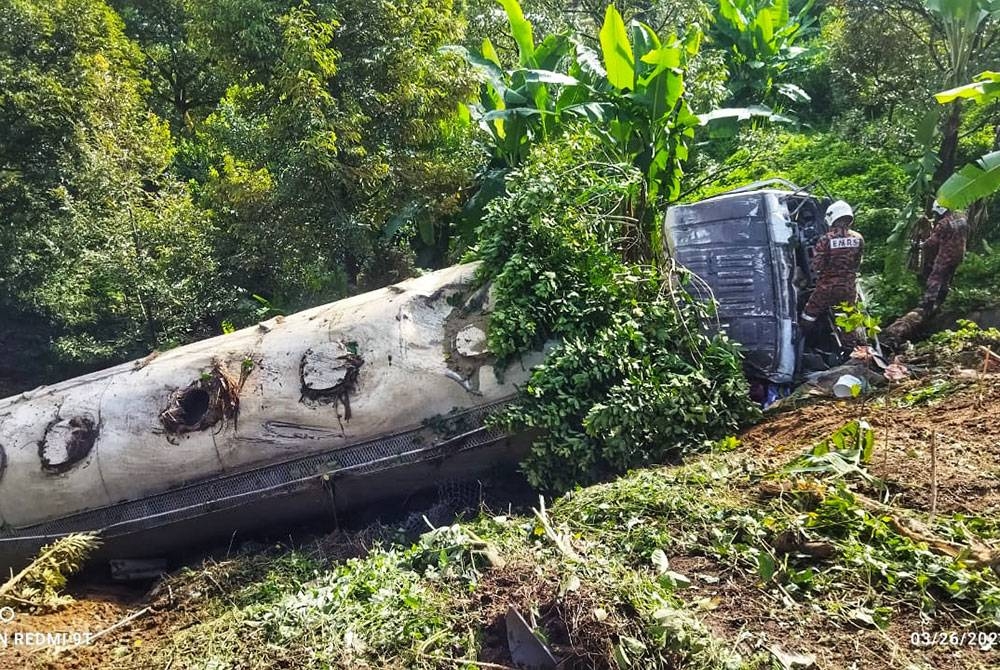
833	617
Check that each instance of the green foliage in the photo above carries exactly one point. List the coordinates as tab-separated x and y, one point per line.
619	61
643	119
891	62
40	584
160	162
960	23
698	508
515	106
364	610
842	454
977	284
631	93
852	318
928	394
316	162
871	546
634	378
608	565
877	63
104	241
638	514
762	42
981	178
972	182
984	88
966	337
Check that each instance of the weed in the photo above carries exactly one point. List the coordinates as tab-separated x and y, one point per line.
39	585
968	335
936	390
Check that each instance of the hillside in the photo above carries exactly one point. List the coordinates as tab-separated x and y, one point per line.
751	555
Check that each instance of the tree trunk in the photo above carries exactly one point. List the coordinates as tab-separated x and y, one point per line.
354	386
948	153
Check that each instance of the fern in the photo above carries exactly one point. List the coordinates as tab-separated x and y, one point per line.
39	585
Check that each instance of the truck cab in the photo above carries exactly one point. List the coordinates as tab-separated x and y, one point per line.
750	250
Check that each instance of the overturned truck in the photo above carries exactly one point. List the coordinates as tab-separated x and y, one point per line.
351	403
751	251
329	409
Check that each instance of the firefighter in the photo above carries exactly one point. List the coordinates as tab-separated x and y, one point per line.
943	251
835	265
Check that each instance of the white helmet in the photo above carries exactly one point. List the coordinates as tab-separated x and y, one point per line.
837	211
939	209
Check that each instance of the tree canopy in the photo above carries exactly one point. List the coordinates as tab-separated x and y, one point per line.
171	169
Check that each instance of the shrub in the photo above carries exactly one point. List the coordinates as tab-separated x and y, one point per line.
633	377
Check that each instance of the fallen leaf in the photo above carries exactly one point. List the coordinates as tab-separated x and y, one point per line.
790	661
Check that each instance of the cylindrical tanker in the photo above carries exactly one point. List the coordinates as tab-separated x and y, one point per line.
325	409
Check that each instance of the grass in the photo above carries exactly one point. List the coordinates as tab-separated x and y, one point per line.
605	573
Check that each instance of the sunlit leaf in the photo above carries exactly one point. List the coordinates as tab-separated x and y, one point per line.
972	182
520	29
985	88
618	58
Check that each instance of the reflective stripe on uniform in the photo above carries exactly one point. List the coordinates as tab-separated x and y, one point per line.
806	317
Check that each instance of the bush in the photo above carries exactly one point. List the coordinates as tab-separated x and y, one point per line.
634	377
977	283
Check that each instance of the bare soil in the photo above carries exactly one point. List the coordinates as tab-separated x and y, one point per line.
964	427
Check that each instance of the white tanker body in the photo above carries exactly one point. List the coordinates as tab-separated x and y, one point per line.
331	408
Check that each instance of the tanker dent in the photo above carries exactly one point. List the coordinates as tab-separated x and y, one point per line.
329	372
65	444
202	404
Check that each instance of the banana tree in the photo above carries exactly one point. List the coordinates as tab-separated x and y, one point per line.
631	92
981	178
762	42
515	106
957	33
961	26
636	99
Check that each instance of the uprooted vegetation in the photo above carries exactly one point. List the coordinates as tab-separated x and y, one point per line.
634	377
813	537
39	586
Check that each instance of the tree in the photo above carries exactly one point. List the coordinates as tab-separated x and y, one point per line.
958	35
762	41
981	178
103	241
632	92
880	66
179	59
333	143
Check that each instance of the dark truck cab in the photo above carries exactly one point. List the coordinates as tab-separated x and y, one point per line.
751	249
